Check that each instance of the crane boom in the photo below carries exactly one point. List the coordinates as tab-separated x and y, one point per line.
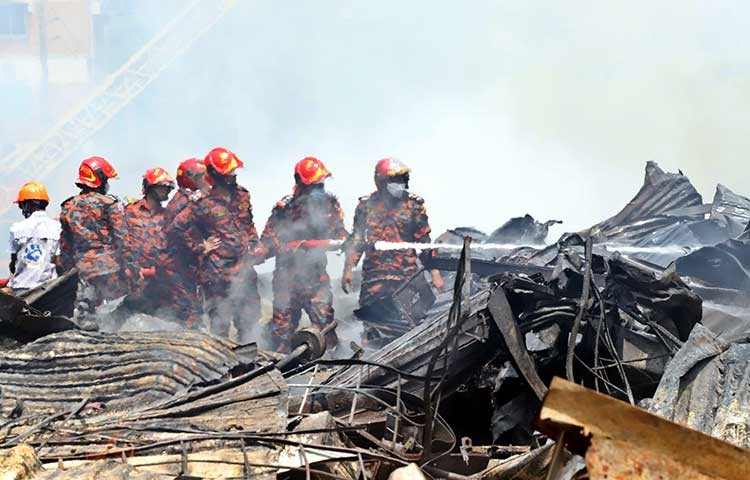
117	91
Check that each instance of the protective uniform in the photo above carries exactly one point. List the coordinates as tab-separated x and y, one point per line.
300	280
34	241
179	260
383	216
145	238
229	283
92	236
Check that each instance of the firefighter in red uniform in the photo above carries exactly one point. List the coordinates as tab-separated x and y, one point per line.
298	233
92	236
179	261
145	221
223	221
191	182
390	214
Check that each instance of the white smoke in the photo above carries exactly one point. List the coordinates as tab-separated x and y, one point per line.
501	108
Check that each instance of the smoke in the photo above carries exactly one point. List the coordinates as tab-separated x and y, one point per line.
501	108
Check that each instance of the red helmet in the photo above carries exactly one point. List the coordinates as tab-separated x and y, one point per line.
310	170
95	171
389	168
222	161
187	171
157	176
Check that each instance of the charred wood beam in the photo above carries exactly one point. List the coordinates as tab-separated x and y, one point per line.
587	418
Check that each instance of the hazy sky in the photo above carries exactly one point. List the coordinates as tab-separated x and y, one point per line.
501	108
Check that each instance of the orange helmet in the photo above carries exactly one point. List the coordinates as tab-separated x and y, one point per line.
95	171
157	177
389	168
32	191
222	161
187	171
310	170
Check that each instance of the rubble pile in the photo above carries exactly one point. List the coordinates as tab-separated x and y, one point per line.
706	387
454	389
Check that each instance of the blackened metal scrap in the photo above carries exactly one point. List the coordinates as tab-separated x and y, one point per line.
24	323
56	297
522	230
394	315
724	265
532	465
666	211
661	193
412	352
582	307
448	350
514	341
258	406
707	387
255	401
121	371
40	311
731	208
664	299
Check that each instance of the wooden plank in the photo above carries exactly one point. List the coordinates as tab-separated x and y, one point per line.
616	460
584	414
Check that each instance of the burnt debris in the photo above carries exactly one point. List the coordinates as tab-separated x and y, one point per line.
641	308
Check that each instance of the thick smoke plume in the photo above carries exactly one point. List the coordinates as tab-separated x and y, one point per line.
501	108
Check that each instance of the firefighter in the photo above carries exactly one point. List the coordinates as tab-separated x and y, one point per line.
145	221
390	214
179	261
34	241
223	221
92	236
298	232
191	181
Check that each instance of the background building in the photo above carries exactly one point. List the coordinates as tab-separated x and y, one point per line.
46	62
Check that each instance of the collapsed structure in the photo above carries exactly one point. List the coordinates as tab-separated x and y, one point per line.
638	307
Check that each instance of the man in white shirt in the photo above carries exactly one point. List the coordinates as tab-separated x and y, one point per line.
34	241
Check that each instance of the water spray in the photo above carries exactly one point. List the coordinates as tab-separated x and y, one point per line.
624	249
392	246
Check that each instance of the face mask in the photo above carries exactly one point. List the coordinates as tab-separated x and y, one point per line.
395	189
161	193
227	181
